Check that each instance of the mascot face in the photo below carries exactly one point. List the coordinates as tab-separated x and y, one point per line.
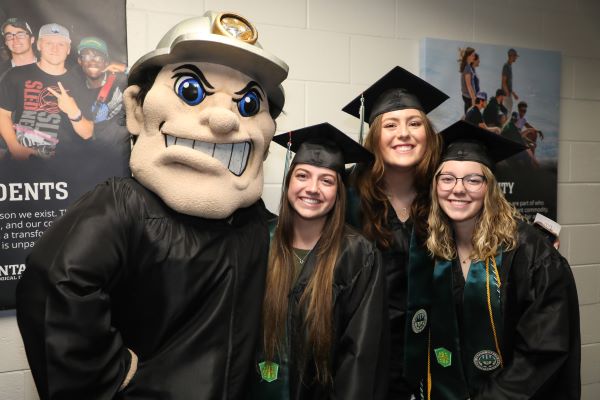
202	135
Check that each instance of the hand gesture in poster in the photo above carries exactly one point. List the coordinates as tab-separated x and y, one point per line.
66	103
116	67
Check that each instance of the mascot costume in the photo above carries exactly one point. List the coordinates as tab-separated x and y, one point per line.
151	287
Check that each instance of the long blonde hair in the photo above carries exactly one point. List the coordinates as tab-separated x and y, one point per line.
496	224
371	185
317	298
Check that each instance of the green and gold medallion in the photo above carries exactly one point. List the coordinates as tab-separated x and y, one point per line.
268	370
443	356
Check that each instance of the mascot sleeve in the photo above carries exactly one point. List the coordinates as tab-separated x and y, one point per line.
64	304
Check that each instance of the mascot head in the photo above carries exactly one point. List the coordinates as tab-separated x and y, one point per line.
202	107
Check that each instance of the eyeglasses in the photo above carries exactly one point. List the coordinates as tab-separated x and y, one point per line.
92	57
471	182
19	35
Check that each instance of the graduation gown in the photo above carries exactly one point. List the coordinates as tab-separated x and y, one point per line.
395	262
121	270
360	334
540	340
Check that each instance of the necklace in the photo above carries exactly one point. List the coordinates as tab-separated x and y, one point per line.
401	212
301	260
466	259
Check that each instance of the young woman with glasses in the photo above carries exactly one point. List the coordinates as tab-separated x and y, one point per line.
501	306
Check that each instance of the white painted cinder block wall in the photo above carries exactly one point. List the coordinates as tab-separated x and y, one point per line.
335	48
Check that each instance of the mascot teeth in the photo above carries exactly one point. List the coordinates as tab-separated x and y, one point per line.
233	155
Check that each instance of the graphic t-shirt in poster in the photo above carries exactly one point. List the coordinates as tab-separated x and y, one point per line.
38	121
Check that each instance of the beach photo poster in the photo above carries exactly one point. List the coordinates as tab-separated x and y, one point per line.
527	84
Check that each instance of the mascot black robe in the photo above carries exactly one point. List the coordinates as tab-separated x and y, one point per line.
121	270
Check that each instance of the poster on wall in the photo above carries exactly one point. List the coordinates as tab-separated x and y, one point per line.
62	76
509	90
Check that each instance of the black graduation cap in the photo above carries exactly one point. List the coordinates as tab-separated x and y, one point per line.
396	90
323	145
467	142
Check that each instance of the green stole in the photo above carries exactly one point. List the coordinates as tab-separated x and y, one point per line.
437	361
418	308
274	384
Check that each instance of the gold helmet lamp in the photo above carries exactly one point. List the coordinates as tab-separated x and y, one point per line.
222	38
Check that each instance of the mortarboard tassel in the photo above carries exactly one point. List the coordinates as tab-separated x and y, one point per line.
288	160
361	111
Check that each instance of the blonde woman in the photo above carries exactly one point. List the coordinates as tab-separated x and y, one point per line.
324	311
497	317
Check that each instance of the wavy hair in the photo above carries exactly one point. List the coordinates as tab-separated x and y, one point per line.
464	54
317	298
371	185
496	225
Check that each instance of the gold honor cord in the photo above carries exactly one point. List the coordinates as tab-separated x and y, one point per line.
491	314
429	382
489	302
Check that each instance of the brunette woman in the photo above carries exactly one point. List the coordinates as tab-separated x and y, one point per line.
389	198
324	312
500	306
467	89
474	66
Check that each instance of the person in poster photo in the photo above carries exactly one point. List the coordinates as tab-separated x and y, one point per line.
504	313
507	80
18	39
474	66
48	103
475	114
495	114
467	89
149	287
106	82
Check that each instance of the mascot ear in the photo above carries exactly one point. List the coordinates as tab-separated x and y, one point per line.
133	110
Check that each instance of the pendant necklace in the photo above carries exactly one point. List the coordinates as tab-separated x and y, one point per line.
402	212
302	259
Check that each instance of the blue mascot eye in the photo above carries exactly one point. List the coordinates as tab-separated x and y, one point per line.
190	90
249	105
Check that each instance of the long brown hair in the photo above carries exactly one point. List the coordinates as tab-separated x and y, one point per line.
496	224
371	186
464	54
317	298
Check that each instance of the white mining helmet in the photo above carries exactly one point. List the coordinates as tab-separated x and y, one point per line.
221	38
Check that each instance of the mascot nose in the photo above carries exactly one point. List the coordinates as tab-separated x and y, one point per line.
222	121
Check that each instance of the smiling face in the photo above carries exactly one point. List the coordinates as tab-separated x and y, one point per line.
312	191
203	131
54	50
93	63
403	138
20	42
461	203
